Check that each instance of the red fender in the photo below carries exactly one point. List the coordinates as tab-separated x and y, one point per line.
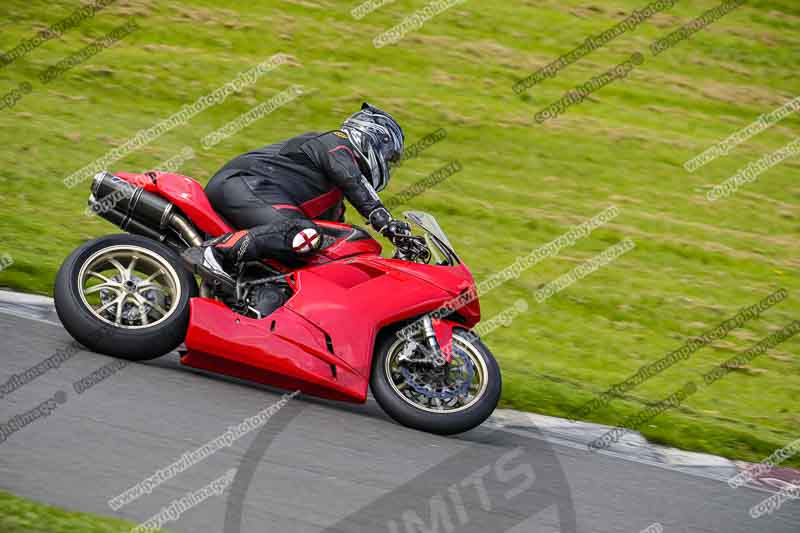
444	334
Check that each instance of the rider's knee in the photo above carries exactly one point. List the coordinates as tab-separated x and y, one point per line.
305	240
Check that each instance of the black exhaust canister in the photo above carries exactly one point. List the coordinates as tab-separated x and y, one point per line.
128	206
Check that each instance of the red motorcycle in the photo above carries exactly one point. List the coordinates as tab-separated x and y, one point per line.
344	320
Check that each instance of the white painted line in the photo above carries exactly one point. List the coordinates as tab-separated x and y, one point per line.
28	316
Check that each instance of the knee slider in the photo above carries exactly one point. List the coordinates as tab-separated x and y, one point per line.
306	241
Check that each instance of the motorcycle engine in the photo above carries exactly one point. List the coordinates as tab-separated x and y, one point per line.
267	298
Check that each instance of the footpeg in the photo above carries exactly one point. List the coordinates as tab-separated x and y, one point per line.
201	261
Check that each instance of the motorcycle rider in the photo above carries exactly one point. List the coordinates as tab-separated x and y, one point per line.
272	194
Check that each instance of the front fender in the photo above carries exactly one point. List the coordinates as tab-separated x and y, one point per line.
444	336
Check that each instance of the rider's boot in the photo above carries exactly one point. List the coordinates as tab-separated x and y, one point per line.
212	259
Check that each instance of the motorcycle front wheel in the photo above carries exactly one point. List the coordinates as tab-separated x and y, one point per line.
447	400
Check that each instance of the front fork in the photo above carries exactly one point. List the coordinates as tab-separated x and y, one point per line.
438	340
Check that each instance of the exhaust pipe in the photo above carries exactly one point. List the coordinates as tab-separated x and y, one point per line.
138	211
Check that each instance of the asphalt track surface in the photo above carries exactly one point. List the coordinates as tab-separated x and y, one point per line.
322	466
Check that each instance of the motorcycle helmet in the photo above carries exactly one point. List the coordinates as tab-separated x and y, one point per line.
378	138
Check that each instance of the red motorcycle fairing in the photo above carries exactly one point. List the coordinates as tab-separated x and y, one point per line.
283	350
458	280
322	340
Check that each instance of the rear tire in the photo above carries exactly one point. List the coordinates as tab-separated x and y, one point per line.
151	313
415	415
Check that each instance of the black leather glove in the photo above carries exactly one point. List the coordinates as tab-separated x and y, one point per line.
379	219
382	221
397	228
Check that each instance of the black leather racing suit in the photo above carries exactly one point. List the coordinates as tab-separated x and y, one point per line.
276	191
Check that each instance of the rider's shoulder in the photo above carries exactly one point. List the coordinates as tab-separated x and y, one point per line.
333	137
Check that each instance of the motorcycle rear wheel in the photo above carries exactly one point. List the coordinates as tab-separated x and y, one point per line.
126	296
419	406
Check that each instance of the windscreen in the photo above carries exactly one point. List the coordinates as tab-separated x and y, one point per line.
436	236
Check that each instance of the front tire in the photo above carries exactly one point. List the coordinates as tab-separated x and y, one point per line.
399	397
126	296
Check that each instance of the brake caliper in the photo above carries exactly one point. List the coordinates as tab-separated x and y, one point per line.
438	382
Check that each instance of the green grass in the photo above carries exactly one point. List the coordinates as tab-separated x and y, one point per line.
18	515
522	184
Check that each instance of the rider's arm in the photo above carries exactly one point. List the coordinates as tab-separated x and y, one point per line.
333	153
